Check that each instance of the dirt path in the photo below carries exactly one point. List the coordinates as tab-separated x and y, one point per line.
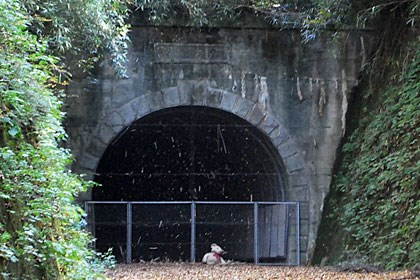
169	271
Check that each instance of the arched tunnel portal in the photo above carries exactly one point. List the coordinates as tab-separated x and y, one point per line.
185	153
190	153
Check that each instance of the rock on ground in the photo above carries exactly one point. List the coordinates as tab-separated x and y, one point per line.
189	271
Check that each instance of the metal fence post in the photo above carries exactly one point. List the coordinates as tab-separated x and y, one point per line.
90	220
87	217
86	207
193	214
297	233
256	233
129	232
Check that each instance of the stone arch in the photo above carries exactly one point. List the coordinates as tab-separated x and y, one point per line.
190	93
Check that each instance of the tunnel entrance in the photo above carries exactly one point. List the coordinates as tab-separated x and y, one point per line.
190	153
186	153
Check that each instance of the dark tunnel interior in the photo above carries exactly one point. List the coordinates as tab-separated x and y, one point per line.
188	153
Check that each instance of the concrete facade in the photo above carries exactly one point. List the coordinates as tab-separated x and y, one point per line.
295	93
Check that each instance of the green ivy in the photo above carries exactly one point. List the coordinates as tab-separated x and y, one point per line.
378	182
40	225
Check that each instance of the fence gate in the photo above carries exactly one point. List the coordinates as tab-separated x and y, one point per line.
259	232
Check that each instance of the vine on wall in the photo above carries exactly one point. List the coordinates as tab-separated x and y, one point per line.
375	199
377	191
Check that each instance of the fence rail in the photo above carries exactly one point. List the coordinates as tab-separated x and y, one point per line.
264	232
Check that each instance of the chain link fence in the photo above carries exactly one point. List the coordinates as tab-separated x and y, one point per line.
259	232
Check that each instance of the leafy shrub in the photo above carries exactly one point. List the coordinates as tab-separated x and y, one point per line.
40	232
378	182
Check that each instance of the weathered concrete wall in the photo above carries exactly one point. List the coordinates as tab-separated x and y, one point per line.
295	93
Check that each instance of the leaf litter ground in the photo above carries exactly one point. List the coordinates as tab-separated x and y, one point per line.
235	271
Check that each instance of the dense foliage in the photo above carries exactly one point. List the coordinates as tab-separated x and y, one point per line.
211	13
40	226
81	30
379	178
377	187
375	201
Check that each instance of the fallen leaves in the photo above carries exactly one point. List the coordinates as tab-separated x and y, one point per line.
164	271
